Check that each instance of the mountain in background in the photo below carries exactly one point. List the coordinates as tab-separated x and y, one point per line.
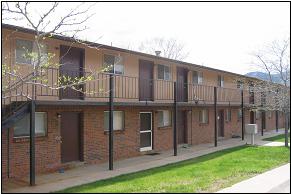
264	76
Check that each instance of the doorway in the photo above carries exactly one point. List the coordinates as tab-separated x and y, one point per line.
70	137
146	131
72	61
181	127
146	80
182	88
221	123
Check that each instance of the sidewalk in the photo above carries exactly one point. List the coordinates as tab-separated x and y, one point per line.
90	173
273	181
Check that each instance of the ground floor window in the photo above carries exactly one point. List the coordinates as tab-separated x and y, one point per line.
228	115
118	120
269	114
164	118
203	116
22	127
239	114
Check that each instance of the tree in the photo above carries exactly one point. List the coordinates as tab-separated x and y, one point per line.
70	24
170	48
274	58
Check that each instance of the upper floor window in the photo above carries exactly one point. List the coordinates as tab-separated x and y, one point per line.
113	64
239	84
164	118
220	80
203	116
26	52
197	77
164	72
22	127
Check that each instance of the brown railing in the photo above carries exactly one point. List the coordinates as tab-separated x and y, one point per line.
197	93
127	87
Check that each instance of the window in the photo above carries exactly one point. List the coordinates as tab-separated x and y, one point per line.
220	81
26	52
203	116
239	84
164	72
118	120
228	115
22	127
23	48
164	118
258	113
239	114
197	77
270	114
113	64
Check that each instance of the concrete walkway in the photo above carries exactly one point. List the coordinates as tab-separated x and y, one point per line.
273	181
90	173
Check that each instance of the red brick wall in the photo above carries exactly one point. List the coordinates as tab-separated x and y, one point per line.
162	136
202	133
126	142
95	139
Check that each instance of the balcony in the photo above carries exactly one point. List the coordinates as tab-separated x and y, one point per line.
126	89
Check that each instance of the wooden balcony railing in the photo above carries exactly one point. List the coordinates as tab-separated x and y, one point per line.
128	88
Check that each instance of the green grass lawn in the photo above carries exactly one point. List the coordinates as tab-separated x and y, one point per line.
207	173
278	138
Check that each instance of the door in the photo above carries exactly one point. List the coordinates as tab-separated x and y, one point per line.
182	89
252	117
263	120
181	127
71	60
146	80
221	123
70	133
146	131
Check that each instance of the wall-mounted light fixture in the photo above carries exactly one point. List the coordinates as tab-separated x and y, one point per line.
59	115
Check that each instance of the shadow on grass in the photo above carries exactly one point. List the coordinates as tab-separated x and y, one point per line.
152	171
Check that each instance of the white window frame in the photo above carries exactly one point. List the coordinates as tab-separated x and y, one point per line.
164	72
170	118
221	81
33	49
206	111
36	134
123	118
228	115
199	77
114	71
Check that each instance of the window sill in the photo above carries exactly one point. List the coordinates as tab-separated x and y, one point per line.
27	139
119	131
203	124
165	127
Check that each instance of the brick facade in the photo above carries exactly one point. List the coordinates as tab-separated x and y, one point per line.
95	139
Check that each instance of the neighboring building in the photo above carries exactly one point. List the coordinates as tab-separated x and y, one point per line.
74	127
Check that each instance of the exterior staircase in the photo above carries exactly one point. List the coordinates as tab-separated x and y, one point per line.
15	102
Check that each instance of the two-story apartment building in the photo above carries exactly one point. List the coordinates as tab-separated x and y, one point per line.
71	126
